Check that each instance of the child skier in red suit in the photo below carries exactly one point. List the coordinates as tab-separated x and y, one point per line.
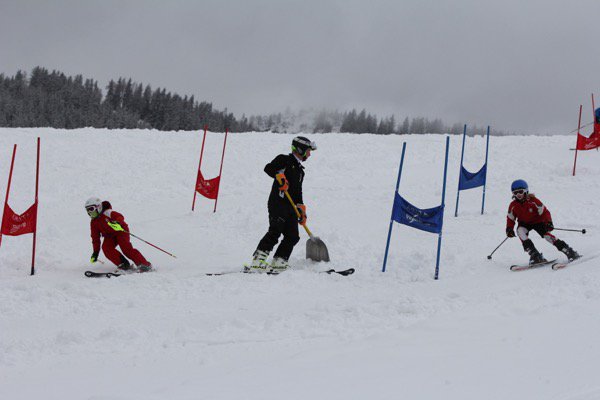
112	226
531	214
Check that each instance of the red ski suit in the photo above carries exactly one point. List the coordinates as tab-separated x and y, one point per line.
112	239
529	212
531	215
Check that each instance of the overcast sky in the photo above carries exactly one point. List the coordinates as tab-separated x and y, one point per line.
519	65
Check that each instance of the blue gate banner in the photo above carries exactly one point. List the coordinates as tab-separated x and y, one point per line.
430	219
469	180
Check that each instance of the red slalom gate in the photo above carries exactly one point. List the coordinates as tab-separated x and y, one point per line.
583	142
14	224
209	188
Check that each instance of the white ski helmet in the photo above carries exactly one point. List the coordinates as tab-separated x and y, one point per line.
93	206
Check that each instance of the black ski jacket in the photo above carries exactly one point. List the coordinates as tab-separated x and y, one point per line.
294	172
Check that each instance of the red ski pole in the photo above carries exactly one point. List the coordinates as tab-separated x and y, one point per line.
119	228
145	241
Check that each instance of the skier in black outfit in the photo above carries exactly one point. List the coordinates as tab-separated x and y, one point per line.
288	170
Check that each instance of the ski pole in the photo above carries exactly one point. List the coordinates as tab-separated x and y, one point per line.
571	230
117	227
145	241
490	256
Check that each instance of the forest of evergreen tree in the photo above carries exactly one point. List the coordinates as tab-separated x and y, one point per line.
52	99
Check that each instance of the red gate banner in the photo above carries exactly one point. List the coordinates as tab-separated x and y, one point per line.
14	224
208	188
588	143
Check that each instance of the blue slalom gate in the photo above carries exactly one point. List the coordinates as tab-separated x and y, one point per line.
469	180
429	219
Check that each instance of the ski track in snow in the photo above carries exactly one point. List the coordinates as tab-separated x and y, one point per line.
481	331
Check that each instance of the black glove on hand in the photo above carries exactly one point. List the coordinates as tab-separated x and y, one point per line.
510	232
549	226
94	257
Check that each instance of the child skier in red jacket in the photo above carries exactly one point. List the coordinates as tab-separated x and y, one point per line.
531	214
112	226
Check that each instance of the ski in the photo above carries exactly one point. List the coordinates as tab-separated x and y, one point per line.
523	267
344	272
240	272
92	274
561	265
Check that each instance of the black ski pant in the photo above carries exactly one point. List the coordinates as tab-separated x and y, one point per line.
280	225
542	230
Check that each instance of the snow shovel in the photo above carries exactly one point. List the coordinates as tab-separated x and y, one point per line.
315	248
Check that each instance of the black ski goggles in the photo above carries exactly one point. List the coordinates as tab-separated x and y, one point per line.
518	191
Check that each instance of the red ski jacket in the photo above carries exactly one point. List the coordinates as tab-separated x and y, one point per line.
99	225
529	212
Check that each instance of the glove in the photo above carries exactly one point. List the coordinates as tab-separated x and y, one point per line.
302	210
115	225
510	232
94	257
549	226
283	182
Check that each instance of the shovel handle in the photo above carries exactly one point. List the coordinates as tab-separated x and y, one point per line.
296	209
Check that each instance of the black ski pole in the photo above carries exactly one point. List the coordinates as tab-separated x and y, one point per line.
571	230
505	239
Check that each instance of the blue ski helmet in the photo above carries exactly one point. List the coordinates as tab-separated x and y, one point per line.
519	184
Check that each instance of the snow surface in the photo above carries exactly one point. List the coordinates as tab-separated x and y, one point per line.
480	332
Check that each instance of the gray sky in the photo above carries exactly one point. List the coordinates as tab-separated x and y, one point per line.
519	65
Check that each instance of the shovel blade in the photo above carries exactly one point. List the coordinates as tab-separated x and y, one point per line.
316	249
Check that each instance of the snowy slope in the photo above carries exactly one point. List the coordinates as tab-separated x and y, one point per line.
480	332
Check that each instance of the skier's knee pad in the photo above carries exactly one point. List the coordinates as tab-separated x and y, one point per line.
523	233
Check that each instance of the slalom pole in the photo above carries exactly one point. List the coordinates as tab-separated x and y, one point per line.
462	155
199	165
577	142
439	246
387	245
583	231
501	243
12	164
594	115
221	170
487	146
37	179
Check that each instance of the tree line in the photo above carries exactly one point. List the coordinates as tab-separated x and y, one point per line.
52	99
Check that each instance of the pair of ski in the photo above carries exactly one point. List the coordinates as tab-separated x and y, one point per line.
555	265
92	274
344	272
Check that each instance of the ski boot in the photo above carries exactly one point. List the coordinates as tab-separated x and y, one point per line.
279	264
125	265
571	254
535	257
145	267
259	262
